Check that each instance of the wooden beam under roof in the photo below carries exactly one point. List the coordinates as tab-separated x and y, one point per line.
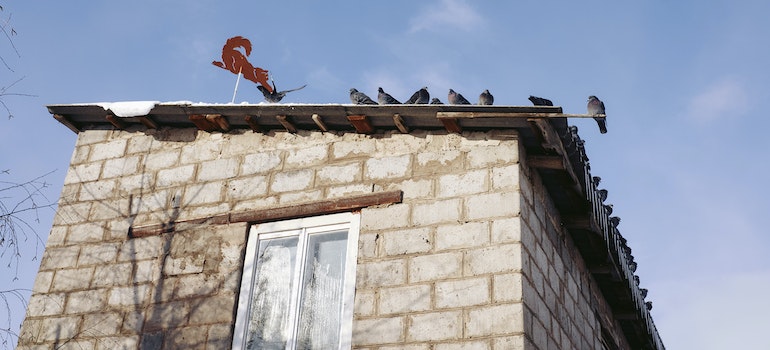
361	123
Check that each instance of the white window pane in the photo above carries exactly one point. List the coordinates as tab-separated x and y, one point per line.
269	316
323	281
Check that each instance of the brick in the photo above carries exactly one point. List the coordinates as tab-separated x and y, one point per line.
112	275
495	320
60	258
499	258
261	163
492	205
506	177
468	235
412	188
246	188
306	156
380	274
109	149
364	304
347	190
304	196
435	267
455	185
72	213
381	330
207	147
166	315
507	287
206	193
353	145
342	174
407	241
484	157
57	328
400	300
135	295
120	167
80	154
218	169
506	230
162	160
85	233
175	176
435	326
86	301
388	167
213	309
98	253
462	293
43	282
295	180
141	248
102	324
83	173
439	162
45	304
437	212
385	217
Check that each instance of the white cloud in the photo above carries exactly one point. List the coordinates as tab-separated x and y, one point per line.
447	13
723	98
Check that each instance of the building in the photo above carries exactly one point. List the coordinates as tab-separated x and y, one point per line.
324	226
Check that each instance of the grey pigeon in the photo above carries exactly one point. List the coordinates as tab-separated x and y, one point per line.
276	96
596	180
436	101
648	305
615	221
456	99
608	208
360	98
419	97
384	98
539	101
486	99
644	292
596	106
602	194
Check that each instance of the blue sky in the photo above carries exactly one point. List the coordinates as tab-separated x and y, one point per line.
684	160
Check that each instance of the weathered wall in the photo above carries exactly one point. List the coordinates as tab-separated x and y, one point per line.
452	267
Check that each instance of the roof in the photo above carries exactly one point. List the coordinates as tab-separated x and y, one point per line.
553	148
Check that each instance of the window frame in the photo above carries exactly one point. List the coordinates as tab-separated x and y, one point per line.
289	228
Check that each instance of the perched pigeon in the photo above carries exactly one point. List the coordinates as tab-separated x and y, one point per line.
384	98
276	96
615	221
456	99
436	101
632	265
648	305
360	98
419	97
596	180
602	194
644	292
608	208
596	106
486	98
539	101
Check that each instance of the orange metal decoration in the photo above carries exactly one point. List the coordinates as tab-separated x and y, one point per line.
235	61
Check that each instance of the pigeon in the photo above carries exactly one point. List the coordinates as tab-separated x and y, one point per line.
596	106
360	98
602	194
419	97
486	99
632	265
648	305
539	101
384	98
615	221
456	99
644	292
608	208
276	96
436	101
595	179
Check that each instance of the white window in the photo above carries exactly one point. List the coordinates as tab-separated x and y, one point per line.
298	284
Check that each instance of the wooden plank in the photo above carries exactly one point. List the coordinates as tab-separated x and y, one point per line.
400	124
252	122
319	122
361	123
148	122
220	121
546	162
202	122
62	119
337	205
451	125
287	124
116	121
473	115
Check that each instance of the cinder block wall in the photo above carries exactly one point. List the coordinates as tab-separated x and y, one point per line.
454	266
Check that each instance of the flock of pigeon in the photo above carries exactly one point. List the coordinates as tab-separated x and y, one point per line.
595	106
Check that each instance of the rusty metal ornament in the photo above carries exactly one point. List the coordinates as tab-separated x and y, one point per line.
236	62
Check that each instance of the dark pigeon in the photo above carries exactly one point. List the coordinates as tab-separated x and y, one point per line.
602	194
615	221
456	99
539	101
596	180
644	292
384	98
596	106
419	97
648	305
436	101
360	98
276	96
486	99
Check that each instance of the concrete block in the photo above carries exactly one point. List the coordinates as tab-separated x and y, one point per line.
120	167
43	281
141	248
60	258
495	259
80	154
88	137
353	145
135	295
506	177
385	217
301	197
507	288
213	309
83	173
463	292
347	190
439	162
103	253
381	273
484	157
412	188
205	193
218	169
85	233
495	320
86	301
492	205
406	299
388	167
57	328
45	304
471	182
177	176
307	156
115	148
381	330
112	275
434	267
468	345
70	213
289	181
202	150
460	236
435	326
162	159
56	236
166	315
102	324
506	230
341	174
407	241
261	163
364	304
442	211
